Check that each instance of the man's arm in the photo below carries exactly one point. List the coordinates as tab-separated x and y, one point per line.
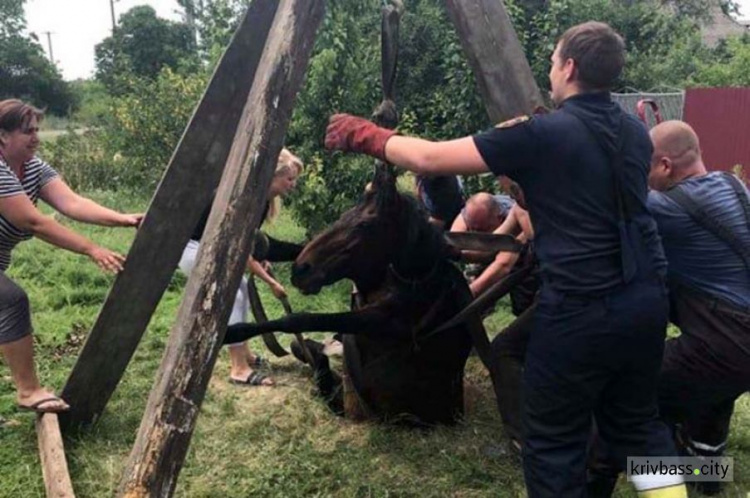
423	157
502	265
459	224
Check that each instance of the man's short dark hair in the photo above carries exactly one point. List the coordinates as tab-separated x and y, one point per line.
598	51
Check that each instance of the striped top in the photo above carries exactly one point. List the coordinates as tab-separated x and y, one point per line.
37	174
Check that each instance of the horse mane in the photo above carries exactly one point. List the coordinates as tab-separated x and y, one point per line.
421	239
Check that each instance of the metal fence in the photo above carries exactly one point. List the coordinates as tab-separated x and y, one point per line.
670	104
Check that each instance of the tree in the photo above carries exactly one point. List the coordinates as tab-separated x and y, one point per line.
729	66
214	22
12	19
25	72
140	47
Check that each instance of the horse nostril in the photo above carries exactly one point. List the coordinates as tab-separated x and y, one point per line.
300	270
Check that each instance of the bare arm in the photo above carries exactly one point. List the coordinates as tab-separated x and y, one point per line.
61	197
502	265
22	214
459	224
256	268
454	157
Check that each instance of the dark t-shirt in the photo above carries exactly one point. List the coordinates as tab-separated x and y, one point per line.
442	196
567	179
698	258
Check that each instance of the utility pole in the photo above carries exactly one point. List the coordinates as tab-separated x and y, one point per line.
112	11
49	44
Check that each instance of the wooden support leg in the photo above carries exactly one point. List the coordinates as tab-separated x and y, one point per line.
185	190
167	426
52	455
491	45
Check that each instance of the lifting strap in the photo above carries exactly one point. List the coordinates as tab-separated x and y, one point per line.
712	224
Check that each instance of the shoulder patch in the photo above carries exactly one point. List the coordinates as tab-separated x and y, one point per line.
513	122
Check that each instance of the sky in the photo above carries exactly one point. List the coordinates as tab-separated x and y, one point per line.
78	25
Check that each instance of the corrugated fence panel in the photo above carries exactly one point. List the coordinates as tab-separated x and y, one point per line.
721	118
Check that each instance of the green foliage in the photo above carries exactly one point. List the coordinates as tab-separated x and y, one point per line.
214	21
663	46
141	46
436	95
12	18
132	144
25	71
94	102
730	65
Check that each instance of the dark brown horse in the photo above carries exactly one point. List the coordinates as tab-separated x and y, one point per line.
400	264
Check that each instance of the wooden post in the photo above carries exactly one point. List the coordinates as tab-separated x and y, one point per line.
185	190
503	75
174	403
52	455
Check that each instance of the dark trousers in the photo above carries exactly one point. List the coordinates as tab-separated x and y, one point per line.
705	370
508	355
592	359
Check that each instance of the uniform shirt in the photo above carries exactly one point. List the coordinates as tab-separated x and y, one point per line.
36	175
442	196
698	258
567	178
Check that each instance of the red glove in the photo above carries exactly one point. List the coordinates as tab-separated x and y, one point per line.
350	133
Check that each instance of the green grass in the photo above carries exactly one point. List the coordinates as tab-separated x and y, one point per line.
279	441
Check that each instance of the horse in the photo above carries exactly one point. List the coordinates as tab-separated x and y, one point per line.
408	286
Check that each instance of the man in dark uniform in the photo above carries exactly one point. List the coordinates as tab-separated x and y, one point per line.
600	322
704	221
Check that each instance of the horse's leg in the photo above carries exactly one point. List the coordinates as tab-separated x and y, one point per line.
375	320
328	382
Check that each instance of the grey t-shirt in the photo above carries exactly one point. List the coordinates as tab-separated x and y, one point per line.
698	258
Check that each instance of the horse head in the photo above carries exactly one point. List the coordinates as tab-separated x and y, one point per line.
364	241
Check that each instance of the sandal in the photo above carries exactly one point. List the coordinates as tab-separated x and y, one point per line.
254	379
38	407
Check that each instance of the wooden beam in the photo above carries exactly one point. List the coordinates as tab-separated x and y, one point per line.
52	455
491	45
167	426
185	190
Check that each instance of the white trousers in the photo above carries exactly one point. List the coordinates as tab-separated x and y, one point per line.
241	300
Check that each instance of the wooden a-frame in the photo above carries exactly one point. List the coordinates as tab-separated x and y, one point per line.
262	68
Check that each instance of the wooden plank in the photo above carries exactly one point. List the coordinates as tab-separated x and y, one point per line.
186	188
167	426
491	45
52	455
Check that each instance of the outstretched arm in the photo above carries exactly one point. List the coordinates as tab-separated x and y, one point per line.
453	157
372	320
22	214
60	196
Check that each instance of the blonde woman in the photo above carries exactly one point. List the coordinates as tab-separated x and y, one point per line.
244	363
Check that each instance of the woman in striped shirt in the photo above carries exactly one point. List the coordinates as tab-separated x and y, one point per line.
24	178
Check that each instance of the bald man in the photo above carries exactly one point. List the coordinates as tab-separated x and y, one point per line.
708	367
483	213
